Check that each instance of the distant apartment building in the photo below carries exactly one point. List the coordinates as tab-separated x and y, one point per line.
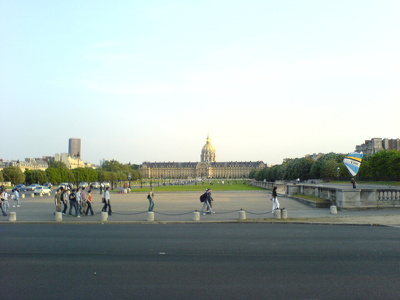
27	164
375	145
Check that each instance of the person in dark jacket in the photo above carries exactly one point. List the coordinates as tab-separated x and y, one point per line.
274	199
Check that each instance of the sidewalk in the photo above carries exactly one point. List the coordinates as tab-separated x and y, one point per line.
179	207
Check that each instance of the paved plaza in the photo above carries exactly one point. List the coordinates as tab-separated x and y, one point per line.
180	207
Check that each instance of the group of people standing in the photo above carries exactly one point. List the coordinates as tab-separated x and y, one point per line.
4	196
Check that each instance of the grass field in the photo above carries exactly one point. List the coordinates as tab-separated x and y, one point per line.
237	185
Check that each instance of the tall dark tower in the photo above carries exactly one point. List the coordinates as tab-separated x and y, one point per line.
74	147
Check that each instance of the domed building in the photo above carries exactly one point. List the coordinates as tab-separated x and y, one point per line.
207	168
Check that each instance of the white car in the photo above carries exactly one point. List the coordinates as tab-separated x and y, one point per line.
42	190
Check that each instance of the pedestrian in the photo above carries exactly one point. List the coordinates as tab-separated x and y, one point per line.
16	197
106	201
274	199
89	203
207	203
353	182
72	203
150	196
78	202
64	199
4	197
57	200
83	200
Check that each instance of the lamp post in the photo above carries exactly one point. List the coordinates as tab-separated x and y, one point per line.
337	173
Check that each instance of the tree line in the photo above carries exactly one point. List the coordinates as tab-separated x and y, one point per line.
383	165
57	172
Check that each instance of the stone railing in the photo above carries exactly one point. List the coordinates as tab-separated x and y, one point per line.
342	197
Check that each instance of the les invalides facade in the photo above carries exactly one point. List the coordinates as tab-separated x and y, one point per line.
207	168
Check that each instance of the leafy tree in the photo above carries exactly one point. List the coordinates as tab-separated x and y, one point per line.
35	176
13	174
57	165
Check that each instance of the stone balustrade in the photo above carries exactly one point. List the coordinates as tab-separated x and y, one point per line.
345	198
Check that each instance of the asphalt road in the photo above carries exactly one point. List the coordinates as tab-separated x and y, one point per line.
199	261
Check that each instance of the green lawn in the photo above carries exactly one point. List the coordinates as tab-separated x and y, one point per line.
237	185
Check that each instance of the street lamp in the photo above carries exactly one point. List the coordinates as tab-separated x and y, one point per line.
338	170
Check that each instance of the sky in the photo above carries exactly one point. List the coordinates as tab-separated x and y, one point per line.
150	80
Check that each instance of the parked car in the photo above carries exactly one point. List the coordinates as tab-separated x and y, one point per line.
95	185
31	188
64	184
83	184
106	184
21	187
42	190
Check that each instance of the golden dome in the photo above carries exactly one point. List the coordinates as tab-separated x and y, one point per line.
208	152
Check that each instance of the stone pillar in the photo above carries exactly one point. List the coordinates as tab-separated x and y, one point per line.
242	215
196	216
150	216
58	216
12	216
22	196
104	216
277	214
32	195
333	209
284	213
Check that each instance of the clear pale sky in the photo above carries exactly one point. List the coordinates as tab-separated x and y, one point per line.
150	80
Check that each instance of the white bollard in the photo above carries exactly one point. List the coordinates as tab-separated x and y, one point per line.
12	216
333	209
242	215
196	216
104	216
58	216
22	196
41	195
283	213
32	195
150	216
277	214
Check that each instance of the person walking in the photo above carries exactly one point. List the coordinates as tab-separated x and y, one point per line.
207	203
150	196
4	202
57	200
89	203
73	203
106	201
4	197
16	197
64	199
275	202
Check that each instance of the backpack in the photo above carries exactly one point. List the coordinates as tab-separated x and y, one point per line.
203	197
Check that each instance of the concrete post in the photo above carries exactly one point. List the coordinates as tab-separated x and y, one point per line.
104	216
58	216
277	214
150	216
32	195
12	216
41	195
284	213
196	216
242	214
333	209
22	196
